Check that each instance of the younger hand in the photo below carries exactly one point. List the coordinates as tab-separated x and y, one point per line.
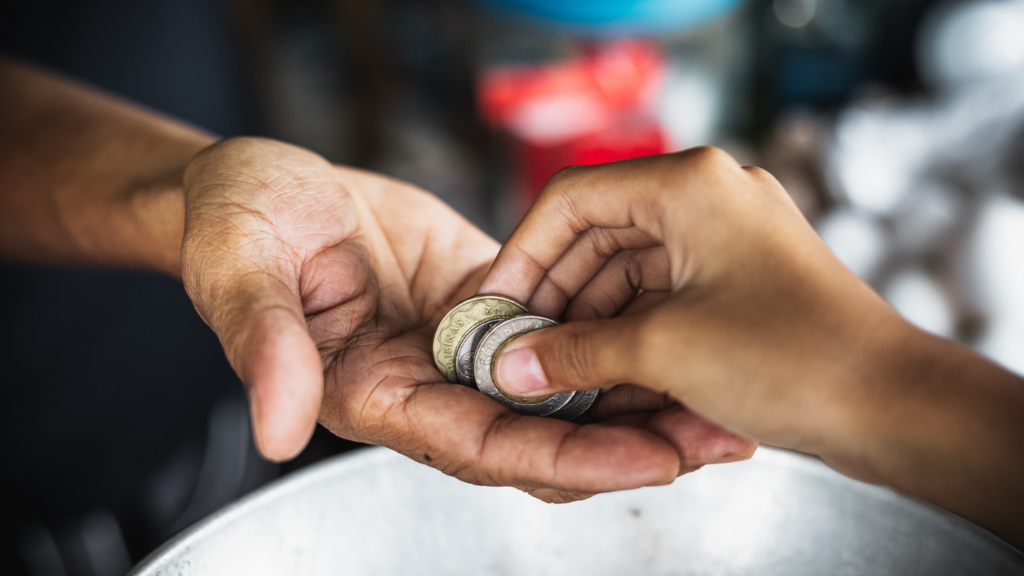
758	328
748	319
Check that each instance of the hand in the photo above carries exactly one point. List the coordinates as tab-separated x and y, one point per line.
753	323
757	327
325	286
750	321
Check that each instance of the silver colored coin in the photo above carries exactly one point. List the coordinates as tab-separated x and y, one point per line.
581	401
490	344
464	357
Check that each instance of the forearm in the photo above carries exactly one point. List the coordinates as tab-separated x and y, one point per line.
88	179
947	426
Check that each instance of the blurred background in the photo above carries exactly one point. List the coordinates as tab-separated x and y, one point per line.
896	125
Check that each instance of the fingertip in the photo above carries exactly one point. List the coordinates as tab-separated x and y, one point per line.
735	449
699	441
725	447
273	443
519	373
286	388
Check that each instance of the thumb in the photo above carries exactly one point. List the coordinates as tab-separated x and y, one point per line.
573	356
260	323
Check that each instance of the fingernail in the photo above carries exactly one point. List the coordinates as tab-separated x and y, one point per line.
519	373
736	450
256	414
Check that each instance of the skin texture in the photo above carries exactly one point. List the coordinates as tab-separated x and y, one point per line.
324	284
758	328
88	179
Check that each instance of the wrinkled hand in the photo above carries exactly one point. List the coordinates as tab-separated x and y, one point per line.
325	286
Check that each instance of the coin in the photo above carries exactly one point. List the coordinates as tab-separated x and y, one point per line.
467	350
483	365
581	401
461	320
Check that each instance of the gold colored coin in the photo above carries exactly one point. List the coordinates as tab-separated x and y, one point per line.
463	318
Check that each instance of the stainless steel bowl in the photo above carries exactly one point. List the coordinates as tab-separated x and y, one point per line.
375	512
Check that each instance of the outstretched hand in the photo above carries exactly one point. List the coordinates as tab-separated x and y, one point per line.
325	285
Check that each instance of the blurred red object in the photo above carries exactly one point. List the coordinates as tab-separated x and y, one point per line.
594	108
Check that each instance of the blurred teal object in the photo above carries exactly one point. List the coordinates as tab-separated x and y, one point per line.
610	16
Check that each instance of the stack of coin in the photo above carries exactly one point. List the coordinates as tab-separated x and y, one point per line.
471	336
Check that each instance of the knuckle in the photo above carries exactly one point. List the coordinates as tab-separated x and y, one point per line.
564	180
558	185
710	158
758	173
605	242
633	268
561	195
762	177
762	186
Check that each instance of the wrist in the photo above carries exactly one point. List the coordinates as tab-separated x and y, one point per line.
926	412
158	208
155	207
945	426
855	405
